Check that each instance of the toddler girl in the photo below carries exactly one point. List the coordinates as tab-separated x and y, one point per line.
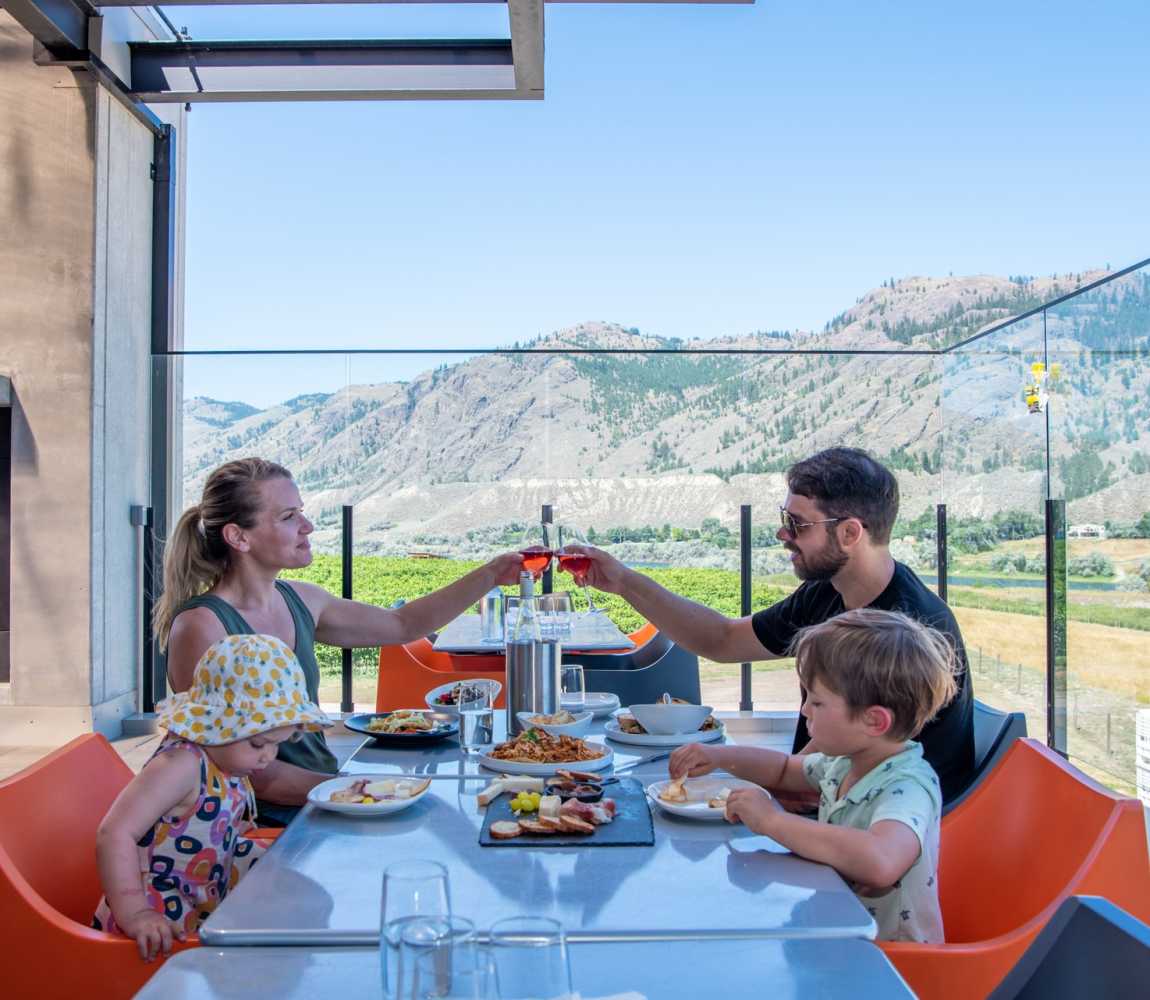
172	845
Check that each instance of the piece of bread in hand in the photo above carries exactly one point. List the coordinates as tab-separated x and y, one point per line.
505	830
674	792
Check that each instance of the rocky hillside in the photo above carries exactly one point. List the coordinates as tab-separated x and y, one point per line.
668	437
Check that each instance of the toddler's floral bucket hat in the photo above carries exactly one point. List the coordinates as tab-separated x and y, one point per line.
243	685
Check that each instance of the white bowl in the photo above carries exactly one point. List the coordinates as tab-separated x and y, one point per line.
577	728
668	719
434	693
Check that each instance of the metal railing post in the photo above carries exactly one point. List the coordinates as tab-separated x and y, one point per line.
347	700
746	703
1056	626
141	517
940	547
547	519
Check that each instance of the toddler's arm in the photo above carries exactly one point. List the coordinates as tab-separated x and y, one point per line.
876	857
167	782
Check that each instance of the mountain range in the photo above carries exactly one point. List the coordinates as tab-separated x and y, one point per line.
659	433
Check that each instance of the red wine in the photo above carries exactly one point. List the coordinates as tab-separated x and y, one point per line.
535	558
574	564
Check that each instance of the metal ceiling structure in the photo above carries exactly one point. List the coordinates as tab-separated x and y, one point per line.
183	70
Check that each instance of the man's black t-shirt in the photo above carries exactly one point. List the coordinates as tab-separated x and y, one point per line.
948	740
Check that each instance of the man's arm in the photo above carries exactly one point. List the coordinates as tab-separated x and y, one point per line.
695	627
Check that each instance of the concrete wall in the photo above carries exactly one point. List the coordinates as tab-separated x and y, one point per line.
75	337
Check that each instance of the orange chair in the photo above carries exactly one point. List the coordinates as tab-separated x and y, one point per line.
1033	833
49	883
643	635
409	671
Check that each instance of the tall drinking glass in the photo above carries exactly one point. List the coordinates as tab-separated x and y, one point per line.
575	563
574	695
476	718
530	959
412	890
441	960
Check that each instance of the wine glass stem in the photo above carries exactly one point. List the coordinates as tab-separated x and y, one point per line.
591	609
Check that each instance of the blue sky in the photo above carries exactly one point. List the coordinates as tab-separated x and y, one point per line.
694	171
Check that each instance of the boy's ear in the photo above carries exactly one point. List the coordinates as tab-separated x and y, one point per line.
878	720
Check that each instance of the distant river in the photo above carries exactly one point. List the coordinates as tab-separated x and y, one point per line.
1010	581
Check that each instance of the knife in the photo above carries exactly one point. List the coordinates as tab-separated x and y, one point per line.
645	760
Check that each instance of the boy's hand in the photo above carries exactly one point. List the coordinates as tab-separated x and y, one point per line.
690	761
152	931
753	807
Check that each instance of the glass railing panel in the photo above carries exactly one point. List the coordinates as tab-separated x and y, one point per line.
1098	387
994	485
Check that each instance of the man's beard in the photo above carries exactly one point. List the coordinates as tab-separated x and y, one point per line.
822	566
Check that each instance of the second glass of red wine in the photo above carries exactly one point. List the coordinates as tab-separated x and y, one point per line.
575	563
537	547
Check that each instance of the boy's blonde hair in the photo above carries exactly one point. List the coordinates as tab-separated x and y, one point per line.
869	657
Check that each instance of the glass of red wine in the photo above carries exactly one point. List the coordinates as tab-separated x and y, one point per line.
536	547
575	563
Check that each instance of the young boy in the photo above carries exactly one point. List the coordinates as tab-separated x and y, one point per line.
873	679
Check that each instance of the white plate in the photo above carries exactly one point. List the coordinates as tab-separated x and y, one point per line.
546	770
613	732
598	703
321	796
699	791
434	693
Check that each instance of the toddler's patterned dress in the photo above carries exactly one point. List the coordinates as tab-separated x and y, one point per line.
189	863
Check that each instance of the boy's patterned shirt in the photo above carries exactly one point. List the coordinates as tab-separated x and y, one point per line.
903	788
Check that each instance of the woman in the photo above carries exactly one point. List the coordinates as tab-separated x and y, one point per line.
220	578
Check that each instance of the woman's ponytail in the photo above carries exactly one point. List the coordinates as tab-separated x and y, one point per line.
197	555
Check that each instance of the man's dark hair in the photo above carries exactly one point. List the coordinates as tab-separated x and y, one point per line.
847	482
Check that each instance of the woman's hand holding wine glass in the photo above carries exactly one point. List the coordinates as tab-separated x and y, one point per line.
536	548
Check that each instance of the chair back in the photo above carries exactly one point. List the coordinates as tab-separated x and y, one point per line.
1018	841
994	731
672	670
653	647
407	672
1090	948
49	814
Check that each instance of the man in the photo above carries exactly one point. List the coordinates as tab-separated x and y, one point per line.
836	523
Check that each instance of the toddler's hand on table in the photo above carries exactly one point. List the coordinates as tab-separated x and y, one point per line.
691	760
753	807
152	931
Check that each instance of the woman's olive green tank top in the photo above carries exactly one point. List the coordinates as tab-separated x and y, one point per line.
310	750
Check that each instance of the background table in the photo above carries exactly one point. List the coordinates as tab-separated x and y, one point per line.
782	970
464	635
319	884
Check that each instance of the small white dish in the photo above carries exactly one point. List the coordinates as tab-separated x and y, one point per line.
674	718
577	728
450	708
320	795
546	770
598	703
615	734
699	792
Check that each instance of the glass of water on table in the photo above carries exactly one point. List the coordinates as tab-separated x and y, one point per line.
412	891
476	718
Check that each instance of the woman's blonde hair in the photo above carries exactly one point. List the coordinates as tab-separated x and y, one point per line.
197	555
869	657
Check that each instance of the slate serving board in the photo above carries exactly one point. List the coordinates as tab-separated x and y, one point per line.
632	825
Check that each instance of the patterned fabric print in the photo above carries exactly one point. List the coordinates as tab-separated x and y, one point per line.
189	863
243	685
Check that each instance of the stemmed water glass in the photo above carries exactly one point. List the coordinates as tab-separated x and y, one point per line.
536	547
576	563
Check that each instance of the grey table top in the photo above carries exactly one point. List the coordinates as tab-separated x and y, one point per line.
464	635
782	970
319	884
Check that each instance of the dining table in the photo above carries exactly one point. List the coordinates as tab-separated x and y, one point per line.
840	969
589	631
319	883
